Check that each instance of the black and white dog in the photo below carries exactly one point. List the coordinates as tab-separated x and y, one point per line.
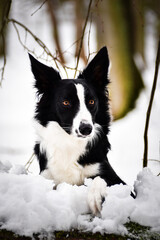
73	120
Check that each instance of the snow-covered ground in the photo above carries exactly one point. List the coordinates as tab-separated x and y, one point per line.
17	99
24	199
28	204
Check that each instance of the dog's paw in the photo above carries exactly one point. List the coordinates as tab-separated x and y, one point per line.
96	195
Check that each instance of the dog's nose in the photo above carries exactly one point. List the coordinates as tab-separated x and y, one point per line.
85	128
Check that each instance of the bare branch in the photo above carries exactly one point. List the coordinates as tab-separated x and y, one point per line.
29	162
83	32
39	41
39	8
56	57
145	156
79	5
89	33
154	160
42	45
75	42
4	58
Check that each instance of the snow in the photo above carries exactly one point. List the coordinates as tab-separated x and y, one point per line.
29	204
148	200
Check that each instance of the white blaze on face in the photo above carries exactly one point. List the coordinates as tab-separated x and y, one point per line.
83	115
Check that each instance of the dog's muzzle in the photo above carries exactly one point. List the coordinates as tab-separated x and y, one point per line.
85	129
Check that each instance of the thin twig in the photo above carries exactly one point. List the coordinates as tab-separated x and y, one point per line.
79	22
39	41
154	160
75	42
83	32
145	156
4	58
29	162
19	38
39	8
89	33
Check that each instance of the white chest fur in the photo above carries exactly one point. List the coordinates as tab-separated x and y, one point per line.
63	151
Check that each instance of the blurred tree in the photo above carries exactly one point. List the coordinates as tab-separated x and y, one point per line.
119	33
55	24
4	13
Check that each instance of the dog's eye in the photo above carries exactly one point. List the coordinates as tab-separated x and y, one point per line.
66	103
91	102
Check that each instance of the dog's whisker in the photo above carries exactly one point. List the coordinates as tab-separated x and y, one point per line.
67	128
104	125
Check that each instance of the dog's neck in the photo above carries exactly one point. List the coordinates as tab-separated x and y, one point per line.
63	152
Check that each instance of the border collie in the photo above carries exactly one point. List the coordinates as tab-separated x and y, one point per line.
73	121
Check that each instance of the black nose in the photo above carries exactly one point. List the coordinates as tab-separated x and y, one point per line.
85	129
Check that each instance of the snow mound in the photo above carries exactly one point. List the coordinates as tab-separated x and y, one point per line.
28	204
147	204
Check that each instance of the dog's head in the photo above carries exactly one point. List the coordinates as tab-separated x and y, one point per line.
77	105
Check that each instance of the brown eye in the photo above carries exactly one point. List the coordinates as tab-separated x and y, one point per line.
91	102
66	103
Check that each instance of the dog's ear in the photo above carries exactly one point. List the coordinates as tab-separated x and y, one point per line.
45	76
97	70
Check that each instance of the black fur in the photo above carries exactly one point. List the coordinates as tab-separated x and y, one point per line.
53	91
41	156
